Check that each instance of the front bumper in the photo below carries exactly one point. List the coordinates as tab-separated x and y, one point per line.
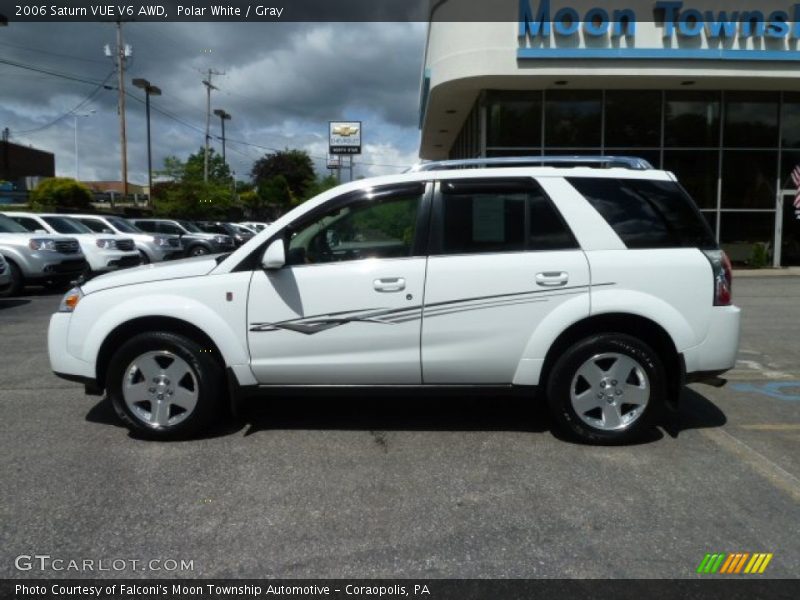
62	362
717	352
111	260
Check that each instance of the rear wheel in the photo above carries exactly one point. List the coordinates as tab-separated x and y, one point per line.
17	282
606	389
165	385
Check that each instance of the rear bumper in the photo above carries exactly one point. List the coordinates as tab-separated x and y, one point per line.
717	353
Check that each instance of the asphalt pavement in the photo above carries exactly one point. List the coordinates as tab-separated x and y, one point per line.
413	487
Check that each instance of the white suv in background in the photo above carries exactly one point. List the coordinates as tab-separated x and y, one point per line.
104	252
594	283
151	247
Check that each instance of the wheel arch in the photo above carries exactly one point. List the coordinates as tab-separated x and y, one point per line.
640	327
126	330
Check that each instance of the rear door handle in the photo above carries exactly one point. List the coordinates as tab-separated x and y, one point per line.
389	284
552	279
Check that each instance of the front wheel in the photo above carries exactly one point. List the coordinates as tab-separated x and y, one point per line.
165	385
17	281
607	389
198	251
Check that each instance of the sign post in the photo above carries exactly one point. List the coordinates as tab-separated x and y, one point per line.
344	139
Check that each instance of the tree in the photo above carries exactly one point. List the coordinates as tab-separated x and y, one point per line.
185	194
321	185
294	166
61	192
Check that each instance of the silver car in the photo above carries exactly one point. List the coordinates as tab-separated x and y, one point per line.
152	247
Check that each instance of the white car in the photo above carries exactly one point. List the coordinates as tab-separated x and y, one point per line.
151	247
602	289
104	252
255	226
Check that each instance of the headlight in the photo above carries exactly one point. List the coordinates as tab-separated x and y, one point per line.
39	244
70	300
160	241
106	244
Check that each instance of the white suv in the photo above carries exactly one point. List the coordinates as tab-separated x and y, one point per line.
594	281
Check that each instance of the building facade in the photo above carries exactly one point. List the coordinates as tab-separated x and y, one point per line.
709	90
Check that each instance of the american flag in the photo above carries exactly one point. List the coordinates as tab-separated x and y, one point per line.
796	179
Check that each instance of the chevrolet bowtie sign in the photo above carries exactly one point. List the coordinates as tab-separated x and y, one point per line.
344	137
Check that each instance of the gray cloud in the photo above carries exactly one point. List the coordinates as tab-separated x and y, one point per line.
282	83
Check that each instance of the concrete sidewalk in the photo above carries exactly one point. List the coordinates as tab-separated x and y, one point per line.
767	272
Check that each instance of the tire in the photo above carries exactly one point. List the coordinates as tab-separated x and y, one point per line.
145	259
17	281
197	250
609	388
148	402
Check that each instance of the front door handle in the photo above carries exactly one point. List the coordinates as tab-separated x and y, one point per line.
389	284
552	279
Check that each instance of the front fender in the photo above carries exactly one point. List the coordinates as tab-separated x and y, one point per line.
202	302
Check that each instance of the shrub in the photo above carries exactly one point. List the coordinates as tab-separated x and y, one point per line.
60	192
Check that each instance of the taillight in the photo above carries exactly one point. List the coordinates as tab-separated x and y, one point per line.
723	276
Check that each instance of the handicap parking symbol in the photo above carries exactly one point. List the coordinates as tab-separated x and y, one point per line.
781	390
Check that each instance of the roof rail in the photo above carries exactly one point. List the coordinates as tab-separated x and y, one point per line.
625	162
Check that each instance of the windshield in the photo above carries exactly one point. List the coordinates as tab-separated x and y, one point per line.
123	225
65	225
190	227
9	226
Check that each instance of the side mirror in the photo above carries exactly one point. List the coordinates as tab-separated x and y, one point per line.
275	256
107	230
41	231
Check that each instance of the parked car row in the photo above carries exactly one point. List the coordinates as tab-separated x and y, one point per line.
54	249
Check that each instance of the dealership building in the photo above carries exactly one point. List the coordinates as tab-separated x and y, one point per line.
707	89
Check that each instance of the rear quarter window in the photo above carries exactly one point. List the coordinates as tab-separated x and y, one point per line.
646	213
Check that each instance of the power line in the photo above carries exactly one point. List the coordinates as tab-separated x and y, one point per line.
49	53
77	107
50	72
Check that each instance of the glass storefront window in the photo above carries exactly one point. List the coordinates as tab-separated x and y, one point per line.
789	160
698	172
790	121
749	179
691	119
573	118
751	120
740	232
633	118
515	119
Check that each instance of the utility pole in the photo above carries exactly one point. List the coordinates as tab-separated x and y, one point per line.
209	87
223	116
121	53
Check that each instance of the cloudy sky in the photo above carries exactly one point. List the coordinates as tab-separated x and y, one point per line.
283	82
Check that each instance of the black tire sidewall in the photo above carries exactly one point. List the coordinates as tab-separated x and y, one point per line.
17	282
198	250
560	381
206	369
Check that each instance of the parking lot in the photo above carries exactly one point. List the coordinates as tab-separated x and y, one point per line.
406	487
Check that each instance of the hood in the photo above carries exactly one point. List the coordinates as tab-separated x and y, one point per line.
174	269
22	239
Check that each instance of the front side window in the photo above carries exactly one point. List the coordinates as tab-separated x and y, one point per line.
94	225
170	228
379	225
494	217
148	226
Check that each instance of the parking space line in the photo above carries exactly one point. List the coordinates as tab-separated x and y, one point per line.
776	474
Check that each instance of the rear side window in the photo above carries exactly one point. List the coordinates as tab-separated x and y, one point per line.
490	216
646	213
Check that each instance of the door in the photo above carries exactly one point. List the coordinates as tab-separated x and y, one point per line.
502	260
346	308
